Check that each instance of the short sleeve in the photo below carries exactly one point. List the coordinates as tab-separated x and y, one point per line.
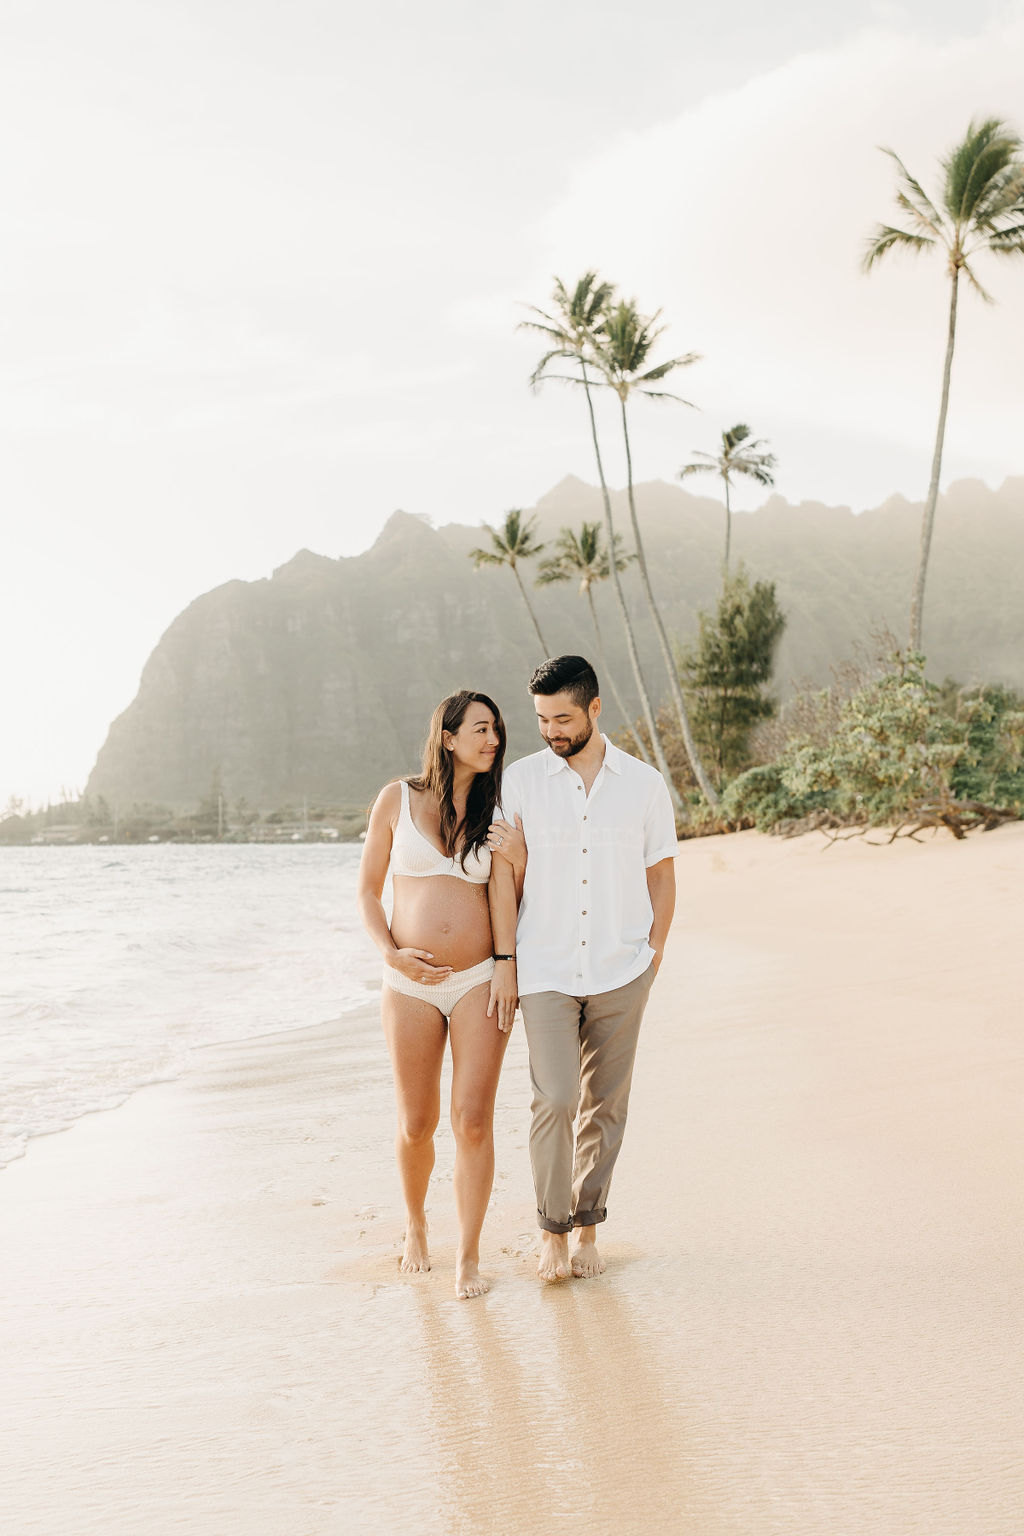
511	797
660	841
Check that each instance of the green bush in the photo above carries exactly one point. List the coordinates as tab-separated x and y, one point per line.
899	747
762	797
991	767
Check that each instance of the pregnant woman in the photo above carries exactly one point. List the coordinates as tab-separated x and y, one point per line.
442	979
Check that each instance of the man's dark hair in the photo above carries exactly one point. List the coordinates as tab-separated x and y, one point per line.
566	674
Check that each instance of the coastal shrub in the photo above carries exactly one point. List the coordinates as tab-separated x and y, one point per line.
991	766
897	748
894	749
763	797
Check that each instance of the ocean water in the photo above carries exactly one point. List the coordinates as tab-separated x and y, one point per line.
116	963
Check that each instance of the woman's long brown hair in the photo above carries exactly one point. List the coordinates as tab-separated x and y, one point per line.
437	775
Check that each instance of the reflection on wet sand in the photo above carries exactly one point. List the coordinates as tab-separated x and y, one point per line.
549	1399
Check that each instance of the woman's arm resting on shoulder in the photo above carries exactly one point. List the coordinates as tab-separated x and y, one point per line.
501	894
661	884
373	869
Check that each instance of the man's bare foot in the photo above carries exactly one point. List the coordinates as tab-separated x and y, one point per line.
468	1279
587	1263
554	1256
415	1259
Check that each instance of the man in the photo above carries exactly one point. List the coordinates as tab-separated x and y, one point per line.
596	910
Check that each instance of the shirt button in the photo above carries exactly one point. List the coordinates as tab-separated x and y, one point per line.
584	850
584	912
584	882
584	943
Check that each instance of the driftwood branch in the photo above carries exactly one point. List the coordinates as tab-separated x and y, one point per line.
959	816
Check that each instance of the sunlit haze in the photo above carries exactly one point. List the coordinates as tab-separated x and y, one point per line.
264	264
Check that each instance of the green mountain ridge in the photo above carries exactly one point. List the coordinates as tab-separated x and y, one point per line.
318	681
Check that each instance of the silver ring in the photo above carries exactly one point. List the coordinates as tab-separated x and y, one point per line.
500	841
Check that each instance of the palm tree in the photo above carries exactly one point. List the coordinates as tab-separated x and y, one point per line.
980	207
740	455
584	557
512	542
570	329
622	353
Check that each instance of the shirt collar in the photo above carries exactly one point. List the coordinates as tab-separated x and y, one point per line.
613	756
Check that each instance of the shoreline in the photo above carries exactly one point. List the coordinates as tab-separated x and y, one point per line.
183	1071
814	1282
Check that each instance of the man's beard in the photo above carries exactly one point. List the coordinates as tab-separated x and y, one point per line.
575	744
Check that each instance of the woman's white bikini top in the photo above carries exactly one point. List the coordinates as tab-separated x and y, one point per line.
414	854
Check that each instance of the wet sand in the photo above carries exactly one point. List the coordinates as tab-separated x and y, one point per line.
811	1317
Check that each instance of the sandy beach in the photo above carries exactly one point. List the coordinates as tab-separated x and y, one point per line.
811	1317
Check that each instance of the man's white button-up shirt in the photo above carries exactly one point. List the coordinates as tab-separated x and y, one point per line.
586	912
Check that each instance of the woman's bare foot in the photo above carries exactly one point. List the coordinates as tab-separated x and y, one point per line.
554	1256
587	1263
468	1279
415	1259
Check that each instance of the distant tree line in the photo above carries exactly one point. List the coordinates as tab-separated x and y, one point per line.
86	820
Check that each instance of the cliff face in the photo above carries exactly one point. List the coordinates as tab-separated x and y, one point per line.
320	680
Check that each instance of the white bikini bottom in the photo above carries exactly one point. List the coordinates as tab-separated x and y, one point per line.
443	994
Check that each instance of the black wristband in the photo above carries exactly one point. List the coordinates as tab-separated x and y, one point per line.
503	957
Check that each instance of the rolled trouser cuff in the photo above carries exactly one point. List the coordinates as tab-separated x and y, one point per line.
547	1225
590	1218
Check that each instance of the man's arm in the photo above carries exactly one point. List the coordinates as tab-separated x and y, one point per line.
661	884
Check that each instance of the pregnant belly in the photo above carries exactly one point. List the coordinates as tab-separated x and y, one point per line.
444	915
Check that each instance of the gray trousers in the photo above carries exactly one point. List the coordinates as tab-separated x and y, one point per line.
582	1051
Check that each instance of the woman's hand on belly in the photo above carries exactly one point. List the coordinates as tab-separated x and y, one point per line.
418	965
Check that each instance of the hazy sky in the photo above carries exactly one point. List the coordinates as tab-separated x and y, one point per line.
262	265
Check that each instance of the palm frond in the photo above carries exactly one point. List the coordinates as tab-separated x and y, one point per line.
654	374
551	571
665	394
560	354
570	378
1006	242
485	557
710	468
915	187
885	237
986	149
759	469
979	290
917	215
550	328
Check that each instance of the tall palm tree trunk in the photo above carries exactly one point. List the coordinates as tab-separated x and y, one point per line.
627	624
529	609
699	774
728	527
928	521
606	672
